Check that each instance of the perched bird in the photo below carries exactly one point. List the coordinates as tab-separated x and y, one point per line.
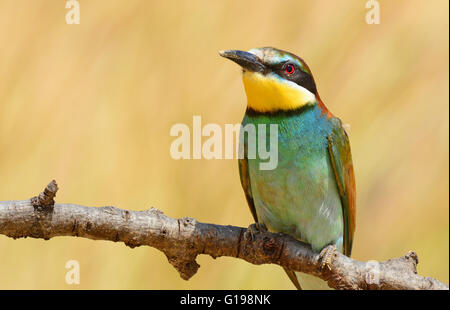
310	195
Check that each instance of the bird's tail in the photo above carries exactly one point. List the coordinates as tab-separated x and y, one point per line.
309	282
303	281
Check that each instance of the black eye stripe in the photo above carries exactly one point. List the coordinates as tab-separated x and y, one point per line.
306	81
298	76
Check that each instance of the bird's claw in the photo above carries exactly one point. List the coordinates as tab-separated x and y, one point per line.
256	228
326	256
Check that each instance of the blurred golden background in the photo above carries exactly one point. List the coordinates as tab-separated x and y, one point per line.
91	105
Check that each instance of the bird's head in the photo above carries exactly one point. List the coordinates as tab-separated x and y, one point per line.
274	80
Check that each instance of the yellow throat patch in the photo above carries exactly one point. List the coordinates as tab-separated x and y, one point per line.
268	93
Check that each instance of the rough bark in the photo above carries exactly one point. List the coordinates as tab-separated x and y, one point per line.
183	239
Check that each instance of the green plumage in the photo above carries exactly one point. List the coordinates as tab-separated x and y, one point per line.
302	196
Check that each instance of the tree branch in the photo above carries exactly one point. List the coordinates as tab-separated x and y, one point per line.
183	239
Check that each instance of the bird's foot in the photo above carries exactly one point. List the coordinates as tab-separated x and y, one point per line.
326	256
254	229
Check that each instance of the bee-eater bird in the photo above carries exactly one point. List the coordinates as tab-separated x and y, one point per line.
310	195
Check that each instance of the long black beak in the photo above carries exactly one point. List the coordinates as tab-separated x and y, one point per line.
246	60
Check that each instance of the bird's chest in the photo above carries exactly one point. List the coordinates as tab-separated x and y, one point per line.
299	196
299	143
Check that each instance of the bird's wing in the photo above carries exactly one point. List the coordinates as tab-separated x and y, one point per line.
245	181
341	160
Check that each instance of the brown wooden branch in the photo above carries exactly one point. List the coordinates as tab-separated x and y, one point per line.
183	239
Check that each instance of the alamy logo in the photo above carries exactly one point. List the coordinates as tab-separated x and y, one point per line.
73	275
373	15
73	15
262	142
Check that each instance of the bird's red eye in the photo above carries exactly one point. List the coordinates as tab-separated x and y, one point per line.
289	68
